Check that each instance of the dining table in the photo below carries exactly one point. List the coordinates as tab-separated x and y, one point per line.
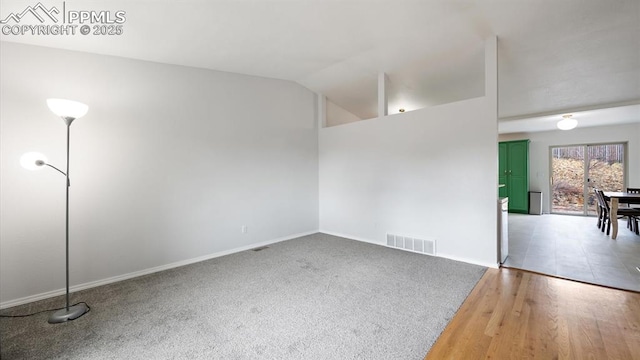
616	198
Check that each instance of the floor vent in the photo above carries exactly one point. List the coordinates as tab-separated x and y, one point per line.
260	248
412	244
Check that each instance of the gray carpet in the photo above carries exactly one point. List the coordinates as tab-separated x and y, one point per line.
315	297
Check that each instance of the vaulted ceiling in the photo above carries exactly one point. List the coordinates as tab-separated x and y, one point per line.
554	56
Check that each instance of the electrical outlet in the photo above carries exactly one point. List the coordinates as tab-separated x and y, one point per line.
244	229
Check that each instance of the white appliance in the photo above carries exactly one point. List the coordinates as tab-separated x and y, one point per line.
503	229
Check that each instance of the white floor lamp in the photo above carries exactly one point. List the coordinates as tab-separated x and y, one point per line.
69	111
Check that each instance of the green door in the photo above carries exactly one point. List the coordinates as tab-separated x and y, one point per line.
502	169
513	172
518	165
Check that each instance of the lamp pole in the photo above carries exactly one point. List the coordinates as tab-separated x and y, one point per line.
66	229
69	312
69	111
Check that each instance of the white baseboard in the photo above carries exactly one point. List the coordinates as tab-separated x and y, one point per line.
351	237
446	256
92	284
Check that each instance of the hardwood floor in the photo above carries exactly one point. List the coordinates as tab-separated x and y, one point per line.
517	314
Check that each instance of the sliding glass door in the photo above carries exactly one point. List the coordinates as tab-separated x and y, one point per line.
567	164
577	170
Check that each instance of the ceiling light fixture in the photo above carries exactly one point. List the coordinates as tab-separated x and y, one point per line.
567	123
401	110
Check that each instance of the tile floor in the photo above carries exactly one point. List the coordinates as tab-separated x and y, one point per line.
573	247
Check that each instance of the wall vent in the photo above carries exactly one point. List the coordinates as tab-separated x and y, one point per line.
412	244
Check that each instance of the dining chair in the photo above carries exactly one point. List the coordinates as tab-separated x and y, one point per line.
604	211
601	210
634	191
632	215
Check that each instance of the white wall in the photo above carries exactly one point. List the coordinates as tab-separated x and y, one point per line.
168	164
337	115
541	141
429	173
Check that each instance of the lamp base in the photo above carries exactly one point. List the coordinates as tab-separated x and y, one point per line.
65	315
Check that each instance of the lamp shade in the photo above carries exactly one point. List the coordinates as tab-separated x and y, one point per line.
567	123
33	160
67	108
